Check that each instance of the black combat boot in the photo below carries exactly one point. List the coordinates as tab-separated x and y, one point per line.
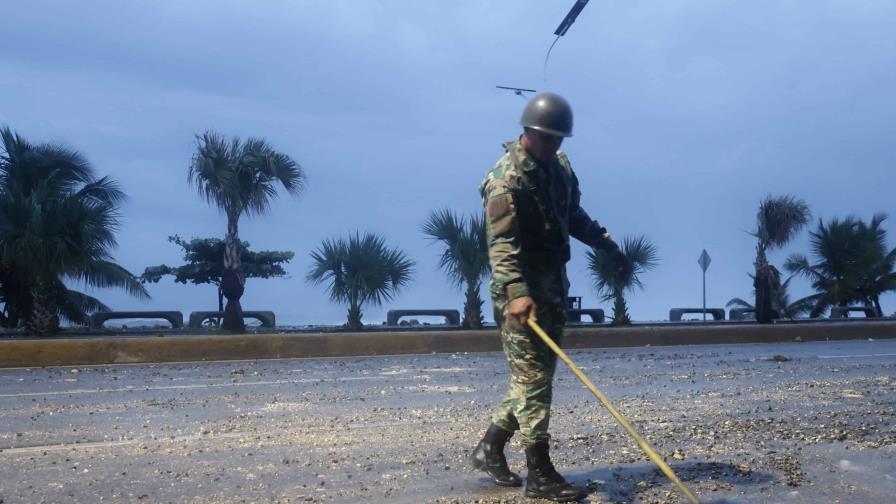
543	481
488	456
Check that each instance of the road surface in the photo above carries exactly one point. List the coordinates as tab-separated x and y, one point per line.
791	422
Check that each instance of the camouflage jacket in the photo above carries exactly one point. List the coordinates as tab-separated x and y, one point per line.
531	210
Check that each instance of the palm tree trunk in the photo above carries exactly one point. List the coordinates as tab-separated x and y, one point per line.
218	320
877	307
232	280
762	283
472	307
354	317
44	320
620	310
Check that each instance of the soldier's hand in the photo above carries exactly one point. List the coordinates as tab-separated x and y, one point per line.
521	309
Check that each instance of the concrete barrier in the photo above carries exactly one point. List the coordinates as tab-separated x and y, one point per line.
595	314
742	314
675	314
125	350
266	318
843	311
175	318
452	317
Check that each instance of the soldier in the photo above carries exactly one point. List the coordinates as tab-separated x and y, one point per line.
531	200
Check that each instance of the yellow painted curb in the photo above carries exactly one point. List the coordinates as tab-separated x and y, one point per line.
186	348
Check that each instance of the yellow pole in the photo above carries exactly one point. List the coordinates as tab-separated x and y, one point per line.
618	416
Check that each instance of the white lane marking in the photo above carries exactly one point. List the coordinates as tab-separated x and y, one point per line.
200	385
856	356
397	423
141	389
155	365
348	378
198	437
111	444
72	446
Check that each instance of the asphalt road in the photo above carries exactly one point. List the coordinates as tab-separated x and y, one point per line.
816	425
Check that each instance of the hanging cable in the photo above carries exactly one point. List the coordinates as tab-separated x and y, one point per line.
561	30
548	55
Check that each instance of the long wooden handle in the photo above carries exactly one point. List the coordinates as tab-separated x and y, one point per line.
618	416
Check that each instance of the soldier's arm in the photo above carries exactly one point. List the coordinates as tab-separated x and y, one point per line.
585	229
504	246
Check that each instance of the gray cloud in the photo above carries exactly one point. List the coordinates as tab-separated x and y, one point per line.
687	114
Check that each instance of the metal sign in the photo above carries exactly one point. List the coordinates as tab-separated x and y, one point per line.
704	260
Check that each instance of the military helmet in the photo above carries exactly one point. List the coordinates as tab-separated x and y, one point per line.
550	113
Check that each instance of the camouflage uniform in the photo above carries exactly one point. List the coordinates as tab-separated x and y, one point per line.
531	210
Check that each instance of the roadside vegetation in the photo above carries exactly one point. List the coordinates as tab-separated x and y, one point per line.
611	284
778	221
782	306
240	178
852	264
464	257
359	270
57	224
204	264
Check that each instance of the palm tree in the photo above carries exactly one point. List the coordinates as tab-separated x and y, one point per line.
240	178
464	259
359	270
853	264
781	304
609	280
778	221
877	265
57	222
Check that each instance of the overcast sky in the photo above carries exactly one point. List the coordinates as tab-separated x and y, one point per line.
687	113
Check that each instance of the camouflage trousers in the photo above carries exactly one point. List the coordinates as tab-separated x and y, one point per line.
527	405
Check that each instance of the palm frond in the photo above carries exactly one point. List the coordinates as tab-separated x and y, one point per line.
241	177
606	275
464	258
853	263
212	171
798	264
802	306
739	303
642	254
360	269
101	191
605	271
75	306
106	274
443	225
58	221
327	266
779	219
815	304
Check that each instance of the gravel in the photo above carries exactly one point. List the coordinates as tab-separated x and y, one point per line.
801	423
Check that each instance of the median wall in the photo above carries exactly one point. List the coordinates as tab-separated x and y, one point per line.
186	348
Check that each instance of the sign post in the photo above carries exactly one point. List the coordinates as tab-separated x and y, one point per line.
704	261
